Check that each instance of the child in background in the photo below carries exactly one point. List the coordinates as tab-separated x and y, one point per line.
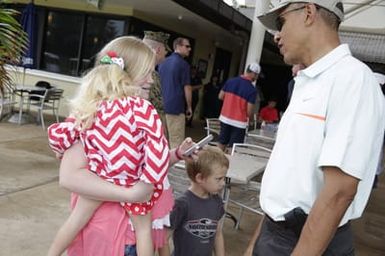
196	219
122	136
269	114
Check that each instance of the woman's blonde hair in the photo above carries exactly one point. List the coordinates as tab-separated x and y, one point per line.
110	81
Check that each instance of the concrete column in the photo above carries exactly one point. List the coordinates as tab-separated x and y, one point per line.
245	49
257	33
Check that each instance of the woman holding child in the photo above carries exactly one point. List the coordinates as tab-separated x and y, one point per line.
114	89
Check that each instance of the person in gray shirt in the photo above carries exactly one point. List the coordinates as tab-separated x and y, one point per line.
196	218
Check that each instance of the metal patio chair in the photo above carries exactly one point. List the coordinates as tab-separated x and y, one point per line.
245	193
49	101
213	126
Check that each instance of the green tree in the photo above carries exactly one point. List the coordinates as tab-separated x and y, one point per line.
13	43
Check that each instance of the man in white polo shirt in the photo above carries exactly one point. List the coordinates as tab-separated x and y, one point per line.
322	167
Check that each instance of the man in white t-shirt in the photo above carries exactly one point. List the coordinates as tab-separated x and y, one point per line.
322	167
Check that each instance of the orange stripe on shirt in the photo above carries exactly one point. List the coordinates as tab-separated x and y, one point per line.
322	118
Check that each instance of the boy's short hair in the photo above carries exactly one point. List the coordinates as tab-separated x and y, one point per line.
207	158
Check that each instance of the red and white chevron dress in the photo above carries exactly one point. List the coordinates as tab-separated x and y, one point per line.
125	144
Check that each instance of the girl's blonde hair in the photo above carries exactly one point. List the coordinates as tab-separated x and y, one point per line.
110	81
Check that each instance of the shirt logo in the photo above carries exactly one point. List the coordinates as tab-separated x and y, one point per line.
318	117
203	228
306	99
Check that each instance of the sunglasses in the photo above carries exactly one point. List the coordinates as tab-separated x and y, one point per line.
280	20
187	46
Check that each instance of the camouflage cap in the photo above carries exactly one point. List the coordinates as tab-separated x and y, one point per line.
160	37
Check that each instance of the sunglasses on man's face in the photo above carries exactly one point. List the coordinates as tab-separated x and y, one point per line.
280	20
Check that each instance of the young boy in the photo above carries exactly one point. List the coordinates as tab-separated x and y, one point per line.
269	113
196	218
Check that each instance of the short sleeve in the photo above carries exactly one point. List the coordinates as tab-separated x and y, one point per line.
156	151
354	124
252	97
62	136
179	213
225	86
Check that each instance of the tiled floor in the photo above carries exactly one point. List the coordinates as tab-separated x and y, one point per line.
32	206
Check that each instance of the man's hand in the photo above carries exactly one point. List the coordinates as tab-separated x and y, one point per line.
189	113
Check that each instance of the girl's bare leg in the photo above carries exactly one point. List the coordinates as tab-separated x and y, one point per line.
143	226
164	251
80	215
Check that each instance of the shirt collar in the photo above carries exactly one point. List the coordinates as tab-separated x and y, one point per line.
246	78
326	61
177	54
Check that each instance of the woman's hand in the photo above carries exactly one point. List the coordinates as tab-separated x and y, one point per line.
177	153
186	144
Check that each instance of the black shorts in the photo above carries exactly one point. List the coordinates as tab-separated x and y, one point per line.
276	239
230	135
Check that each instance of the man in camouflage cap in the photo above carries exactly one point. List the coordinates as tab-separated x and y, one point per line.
158	42
159	37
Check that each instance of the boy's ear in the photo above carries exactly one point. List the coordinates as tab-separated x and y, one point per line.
199	178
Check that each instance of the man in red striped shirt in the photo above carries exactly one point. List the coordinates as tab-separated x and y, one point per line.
238	95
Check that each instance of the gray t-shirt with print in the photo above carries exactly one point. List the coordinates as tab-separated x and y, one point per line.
194	221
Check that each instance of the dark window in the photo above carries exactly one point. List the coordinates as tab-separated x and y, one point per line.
62	38
69	41
99	32
65	41
137	28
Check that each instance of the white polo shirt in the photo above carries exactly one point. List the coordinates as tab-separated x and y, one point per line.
336	117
